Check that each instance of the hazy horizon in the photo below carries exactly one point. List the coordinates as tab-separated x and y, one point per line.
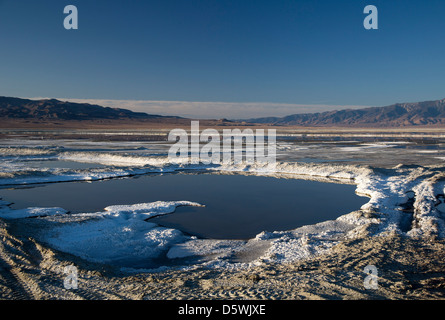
210	109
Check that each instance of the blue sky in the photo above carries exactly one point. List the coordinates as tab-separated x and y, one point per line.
313	53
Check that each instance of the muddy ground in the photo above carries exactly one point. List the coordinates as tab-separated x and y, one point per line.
408	269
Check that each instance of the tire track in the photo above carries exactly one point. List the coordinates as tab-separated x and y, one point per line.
11	274
19	290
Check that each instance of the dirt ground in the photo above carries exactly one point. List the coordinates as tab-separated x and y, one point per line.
407	269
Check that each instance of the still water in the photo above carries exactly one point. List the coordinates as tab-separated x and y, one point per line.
236	206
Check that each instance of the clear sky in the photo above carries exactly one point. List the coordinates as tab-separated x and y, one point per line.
301	52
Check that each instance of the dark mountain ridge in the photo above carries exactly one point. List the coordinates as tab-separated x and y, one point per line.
53	109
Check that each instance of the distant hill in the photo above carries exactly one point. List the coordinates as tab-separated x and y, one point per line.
17	112
53	110
396	115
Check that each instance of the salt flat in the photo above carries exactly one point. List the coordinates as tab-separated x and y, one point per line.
403	213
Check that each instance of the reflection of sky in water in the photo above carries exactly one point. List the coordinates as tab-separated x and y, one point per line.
236	206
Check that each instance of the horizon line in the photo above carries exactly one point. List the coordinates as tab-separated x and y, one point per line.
211	109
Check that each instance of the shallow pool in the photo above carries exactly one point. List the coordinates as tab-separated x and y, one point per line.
236	206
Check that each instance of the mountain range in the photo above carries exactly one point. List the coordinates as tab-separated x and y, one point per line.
427	113
51	111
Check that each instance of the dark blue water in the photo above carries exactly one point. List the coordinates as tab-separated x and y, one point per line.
236	206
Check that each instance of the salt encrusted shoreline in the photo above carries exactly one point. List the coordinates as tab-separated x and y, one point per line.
400	230
402	200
